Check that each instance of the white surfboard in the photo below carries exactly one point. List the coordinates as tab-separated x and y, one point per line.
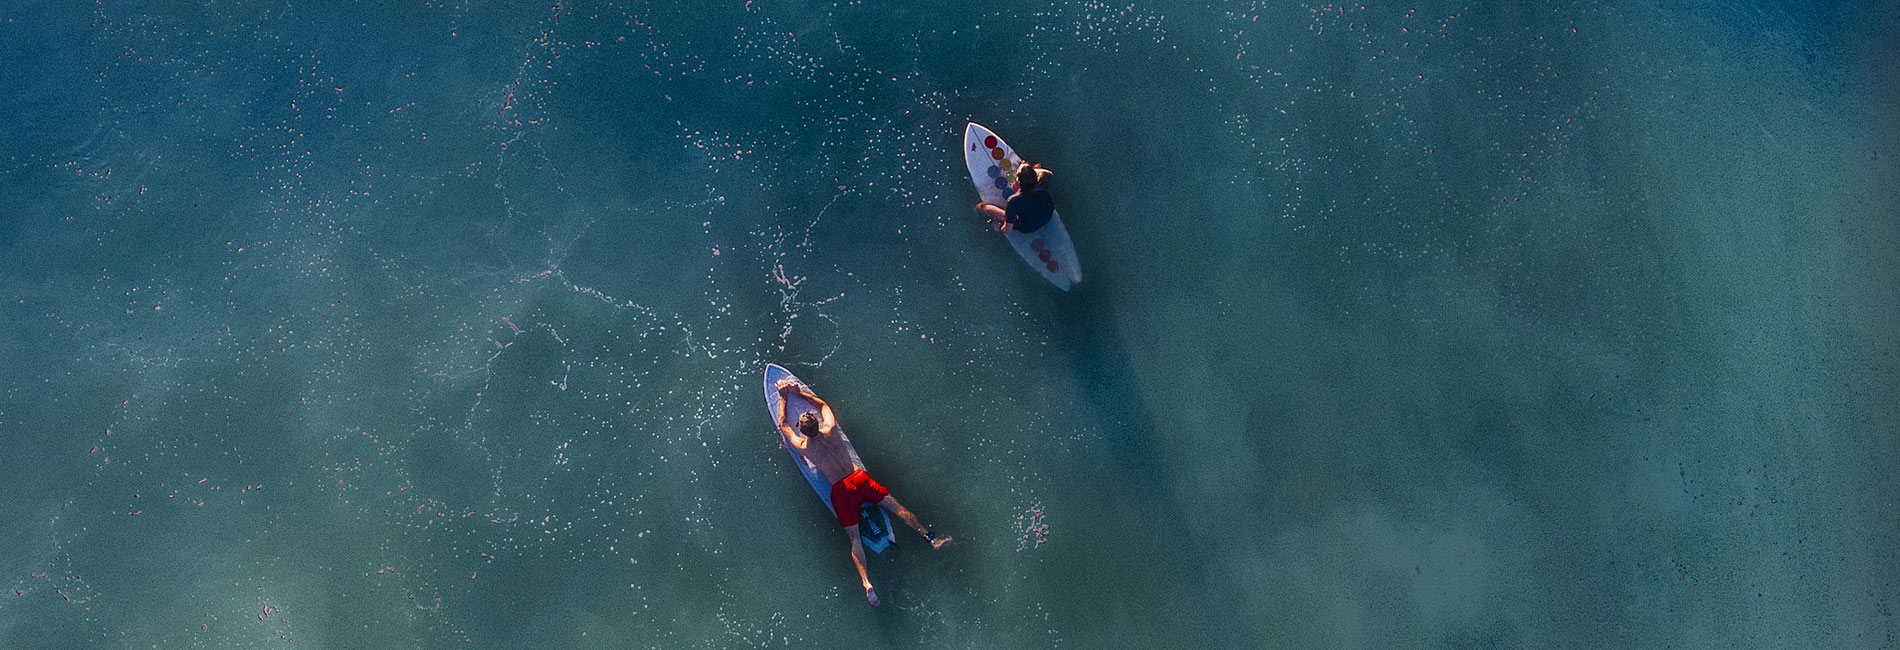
874	529
992	166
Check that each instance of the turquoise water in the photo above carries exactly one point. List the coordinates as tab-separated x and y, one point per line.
1417	326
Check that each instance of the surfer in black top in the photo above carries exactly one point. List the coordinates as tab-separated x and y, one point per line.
1029	208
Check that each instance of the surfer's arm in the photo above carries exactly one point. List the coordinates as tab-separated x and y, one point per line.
827	421
791	435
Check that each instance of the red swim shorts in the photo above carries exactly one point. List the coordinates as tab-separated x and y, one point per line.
850	493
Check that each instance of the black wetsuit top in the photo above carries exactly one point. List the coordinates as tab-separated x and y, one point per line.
1029	210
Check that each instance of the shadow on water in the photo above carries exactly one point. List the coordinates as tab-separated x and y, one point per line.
1135	493
1096	355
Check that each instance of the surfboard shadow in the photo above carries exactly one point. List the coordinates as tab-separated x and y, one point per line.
1136	489
1095	353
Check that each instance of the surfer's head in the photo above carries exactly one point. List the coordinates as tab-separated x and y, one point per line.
1026	176
808	424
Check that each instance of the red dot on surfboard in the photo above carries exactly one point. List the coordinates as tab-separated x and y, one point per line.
1053	266
1044	254
989	141
1035	244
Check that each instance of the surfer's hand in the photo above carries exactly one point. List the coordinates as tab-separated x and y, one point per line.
784	384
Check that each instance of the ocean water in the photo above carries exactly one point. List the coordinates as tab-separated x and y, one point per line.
1429	325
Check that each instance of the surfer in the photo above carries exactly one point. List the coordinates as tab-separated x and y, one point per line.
1029	208
851	487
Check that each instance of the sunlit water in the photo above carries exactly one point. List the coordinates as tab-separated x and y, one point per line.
1419	326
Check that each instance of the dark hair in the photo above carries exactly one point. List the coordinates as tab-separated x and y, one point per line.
808	424
1028	180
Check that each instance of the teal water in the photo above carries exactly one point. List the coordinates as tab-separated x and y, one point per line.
1560	325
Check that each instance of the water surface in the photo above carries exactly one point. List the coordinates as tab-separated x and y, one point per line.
1421	326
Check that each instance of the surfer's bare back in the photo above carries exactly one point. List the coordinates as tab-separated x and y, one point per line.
851	486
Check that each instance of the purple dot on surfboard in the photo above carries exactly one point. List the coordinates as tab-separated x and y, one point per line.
1002	184
995	172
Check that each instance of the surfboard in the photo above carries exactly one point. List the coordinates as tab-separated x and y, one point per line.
993	168
874	527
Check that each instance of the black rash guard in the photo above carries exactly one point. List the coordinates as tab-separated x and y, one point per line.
1030	209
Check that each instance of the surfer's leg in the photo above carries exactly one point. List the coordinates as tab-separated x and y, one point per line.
990	211
891	505
857	558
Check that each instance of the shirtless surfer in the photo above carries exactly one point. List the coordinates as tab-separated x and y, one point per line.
851	487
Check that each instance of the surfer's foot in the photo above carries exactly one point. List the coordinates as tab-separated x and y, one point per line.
937	541
871	595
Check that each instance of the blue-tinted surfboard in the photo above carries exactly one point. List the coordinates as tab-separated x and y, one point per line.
875	525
